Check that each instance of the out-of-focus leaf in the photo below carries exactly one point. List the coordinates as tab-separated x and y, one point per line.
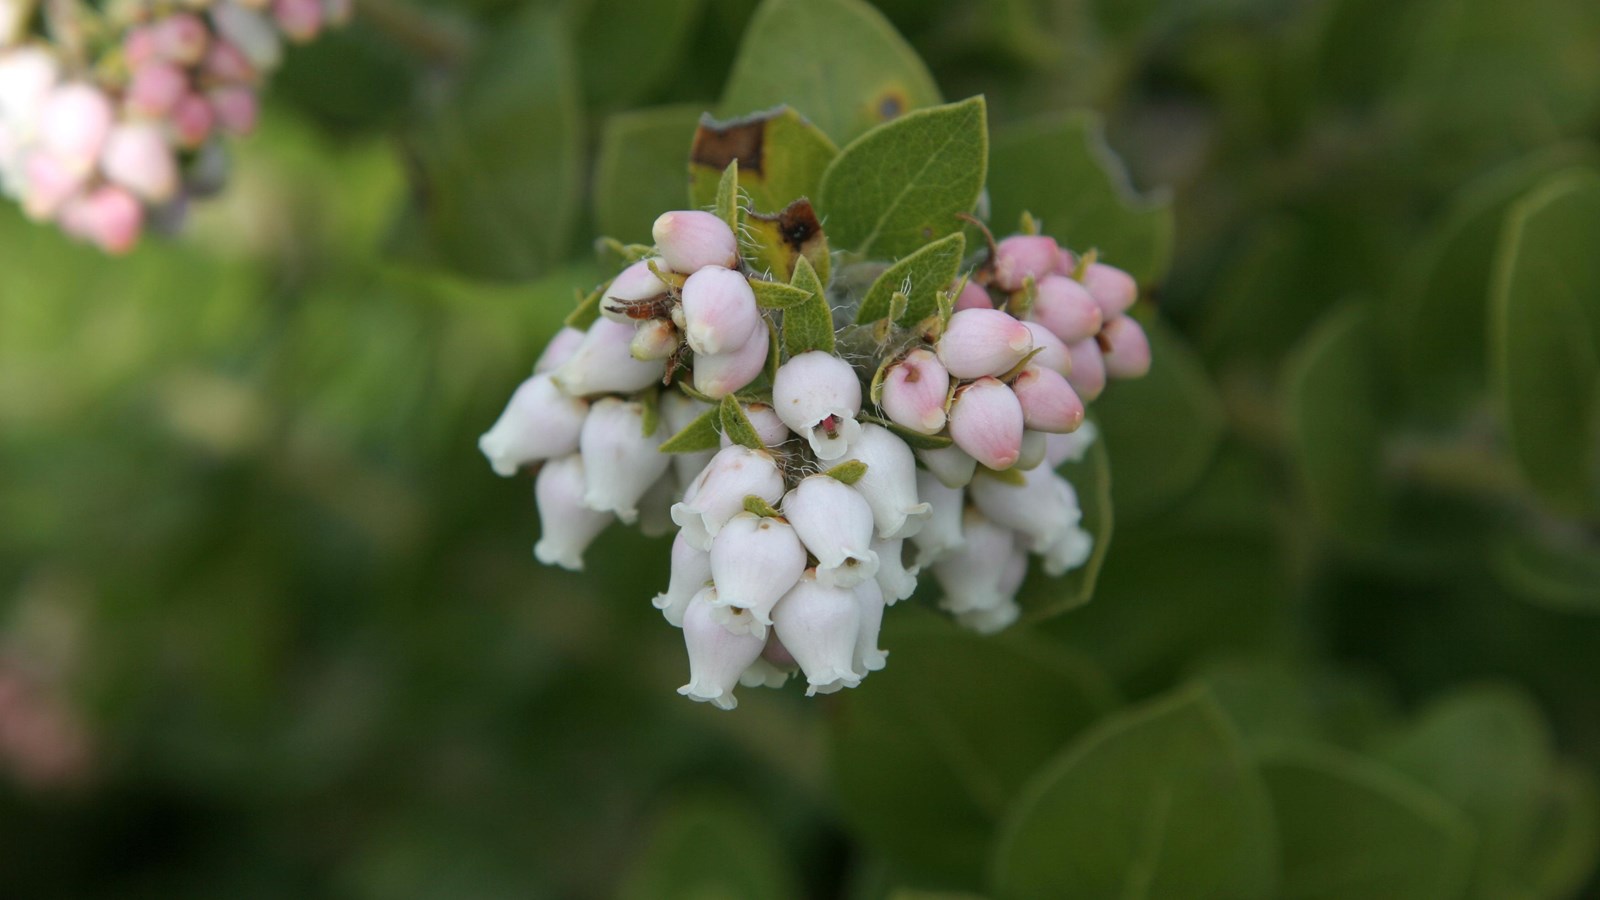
1545	339
903	184
1331	396
625	48
639	172
920	276
711	849
1157	801
1090	476
1554	565
838	62
1349	827
928	758
1271	702
1164	428
781	158
1060	169
497	158
1565	846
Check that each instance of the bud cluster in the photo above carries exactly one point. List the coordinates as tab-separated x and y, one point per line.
841	475
111	126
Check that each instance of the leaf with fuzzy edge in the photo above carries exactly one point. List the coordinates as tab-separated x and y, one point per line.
780	157
928	271
759	507
726	204
808	326
777	295
848	472
704	433
736	425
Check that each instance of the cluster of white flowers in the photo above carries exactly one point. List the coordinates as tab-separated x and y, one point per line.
112	123
792	537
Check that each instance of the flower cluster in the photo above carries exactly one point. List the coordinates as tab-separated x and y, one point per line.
811	488
109	127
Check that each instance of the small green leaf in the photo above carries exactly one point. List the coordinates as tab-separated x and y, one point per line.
759	507
587	310
638	174
905	183
808	326
704	433
736	425
839	62
726	202
920	276
1545	340
772	244
1350	827
650	402
1060	169
774	351
780	157
848	472
1157	801
777	295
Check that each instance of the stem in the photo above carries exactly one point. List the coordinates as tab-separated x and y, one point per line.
1459	468
425	35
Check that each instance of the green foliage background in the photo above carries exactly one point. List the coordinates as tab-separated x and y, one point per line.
1343	644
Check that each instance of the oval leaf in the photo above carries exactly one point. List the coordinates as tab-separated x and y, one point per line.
781	158
919	278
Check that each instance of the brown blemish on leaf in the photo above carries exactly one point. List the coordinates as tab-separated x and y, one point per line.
797	224
718	143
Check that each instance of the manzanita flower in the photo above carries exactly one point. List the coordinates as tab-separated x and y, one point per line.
677	412
890	482
755	560
819	625
973	296
972	573
559	350
620	461
539	423
1088	376
1126	349
690	240
979	342
690	572
868	657
942	529
1052	352
1047	399
1024	256
717	655
1065	308
986	421
818	396
835	523
719	492
1037	508
566	525
604	363
719	310
1113	290
952	465
896	580
914	391
635	285
719	374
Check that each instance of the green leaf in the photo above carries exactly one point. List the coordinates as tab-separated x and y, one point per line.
588	308
780	156
777	295
639	172
726	201
1164	428
904	183
838	62
926	761
750	861
1156	801
1061	170
1090	477
1349	827
925	273
848	472
627	48
757	506
498	158
1545	340
704	433
1331	396
1565	846
736	425
808	326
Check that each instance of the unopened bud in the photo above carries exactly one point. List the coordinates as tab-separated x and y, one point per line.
236	108
1065	307
539	423
1048	401
979	342
138	158
986	421
818	395
1023	256
973	296
604	363
690	240
719	374
108	216
1113	290
1126	348
764	419
914	391
1053	354
1088	376
301	20
192	120
155	89
181	39
225	62
719	310
634	285
559	350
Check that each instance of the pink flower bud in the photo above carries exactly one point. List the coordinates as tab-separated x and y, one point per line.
604	363
980	342
769	428
49	184
943	528
1065	307
1126	349
110	217
566	526
1023	256
890	483
835	524
914	391
559	350
236	109
154	90
1052	353
719	374
717	655
718	493
620	461
74	122
869	602
226	63
896	581
654	339
1088	376
952	465
252	33
818	395
632	286
972	573
819	626
690	240
691	571
181	38
719	310
139	46
986	421
539	423
754	562
301	20
973	296
138	158
1048	402
192	120
1112	289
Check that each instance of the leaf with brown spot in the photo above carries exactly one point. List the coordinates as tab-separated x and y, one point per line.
774	243
781	158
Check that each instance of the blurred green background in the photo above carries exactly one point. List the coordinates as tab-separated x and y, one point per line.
272	628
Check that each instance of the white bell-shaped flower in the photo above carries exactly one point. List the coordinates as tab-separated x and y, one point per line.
559	350
942	530
718	493
604	363
719	310
952	465
691	571
890	483
1042	508
540	422
566	526
818	625
677	411
719	374
971	574
818	395
632	286
1069	552
755	560
897	581
1064	448
870	600
762	673
1001	615
834	522
619	461
717	655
